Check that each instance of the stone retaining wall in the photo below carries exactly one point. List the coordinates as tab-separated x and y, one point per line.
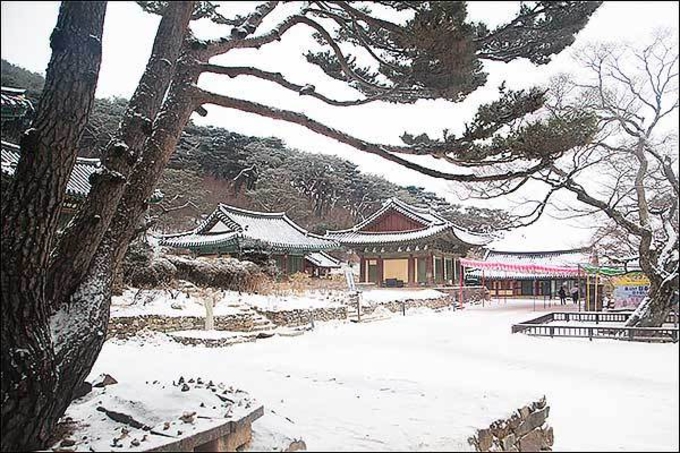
301	317
524	430
125	327
395	306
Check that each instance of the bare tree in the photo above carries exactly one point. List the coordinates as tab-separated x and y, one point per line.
629	170
434	53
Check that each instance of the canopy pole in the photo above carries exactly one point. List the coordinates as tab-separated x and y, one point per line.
579	281
595	298
587	305
483	289
461	269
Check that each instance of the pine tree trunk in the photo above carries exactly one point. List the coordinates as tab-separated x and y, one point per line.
31	371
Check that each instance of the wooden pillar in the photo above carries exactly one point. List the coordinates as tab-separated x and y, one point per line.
411	271
429	265
362	268
285	264
380	271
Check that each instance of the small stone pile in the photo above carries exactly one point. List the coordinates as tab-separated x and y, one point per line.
525	430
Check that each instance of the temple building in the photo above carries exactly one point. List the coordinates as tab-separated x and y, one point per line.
531	273
320	264
402	244
232	231
16	113
78	183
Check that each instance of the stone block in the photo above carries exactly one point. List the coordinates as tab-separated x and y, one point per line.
514	421
533	441
508	442
524	412
500	428
548	437
533	421
484	439
297	445
540	404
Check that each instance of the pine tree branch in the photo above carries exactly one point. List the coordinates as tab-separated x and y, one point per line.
224	45
384	151
278	78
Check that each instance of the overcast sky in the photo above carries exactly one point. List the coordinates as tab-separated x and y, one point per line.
128	36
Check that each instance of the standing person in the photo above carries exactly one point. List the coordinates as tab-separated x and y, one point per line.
574	294
563	295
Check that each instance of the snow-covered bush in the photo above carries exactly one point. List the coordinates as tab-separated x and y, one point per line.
223	273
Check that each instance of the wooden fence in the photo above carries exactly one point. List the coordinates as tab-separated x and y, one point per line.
543	327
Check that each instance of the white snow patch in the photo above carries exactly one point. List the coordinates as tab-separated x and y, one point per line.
153	403
304	301
377	296
161	302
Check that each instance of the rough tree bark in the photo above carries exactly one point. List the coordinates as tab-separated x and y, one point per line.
30	370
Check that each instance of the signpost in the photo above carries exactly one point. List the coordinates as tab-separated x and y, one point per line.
354	293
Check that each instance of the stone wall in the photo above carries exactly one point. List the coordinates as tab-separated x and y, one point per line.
301	317
125	327
524	430
470	293
395	306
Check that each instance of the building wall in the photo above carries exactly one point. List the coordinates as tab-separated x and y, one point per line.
414	269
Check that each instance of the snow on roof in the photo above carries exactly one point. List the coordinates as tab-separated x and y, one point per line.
563	258
433	224
13	103
230	225
321	259
79	181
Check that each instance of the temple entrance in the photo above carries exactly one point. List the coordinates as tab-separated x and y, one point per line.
372	271
396	268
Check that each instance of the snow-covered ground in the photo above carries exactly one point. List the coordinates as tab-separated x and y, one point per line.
377	296
426	380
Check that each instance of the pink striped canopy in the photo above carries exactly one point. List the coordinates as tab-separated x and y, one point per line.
526	268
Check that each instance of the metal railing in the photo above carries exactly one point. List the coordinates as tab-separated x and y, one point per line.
543	327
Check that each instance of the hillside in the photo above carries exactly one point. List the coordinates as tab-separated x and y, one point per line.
213	165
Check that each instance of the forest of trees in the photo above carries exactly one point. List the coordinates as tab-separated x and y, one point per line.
319	191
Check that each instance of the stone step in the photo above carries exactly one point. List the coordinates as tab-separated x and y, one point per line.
263	328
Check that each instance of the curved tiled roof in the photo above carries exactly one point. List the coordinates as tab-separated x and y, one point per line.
13	103
79	181
231	225
433	224
321	259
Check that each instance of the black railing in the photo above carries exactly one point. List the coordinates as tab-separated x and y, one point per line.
543	327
